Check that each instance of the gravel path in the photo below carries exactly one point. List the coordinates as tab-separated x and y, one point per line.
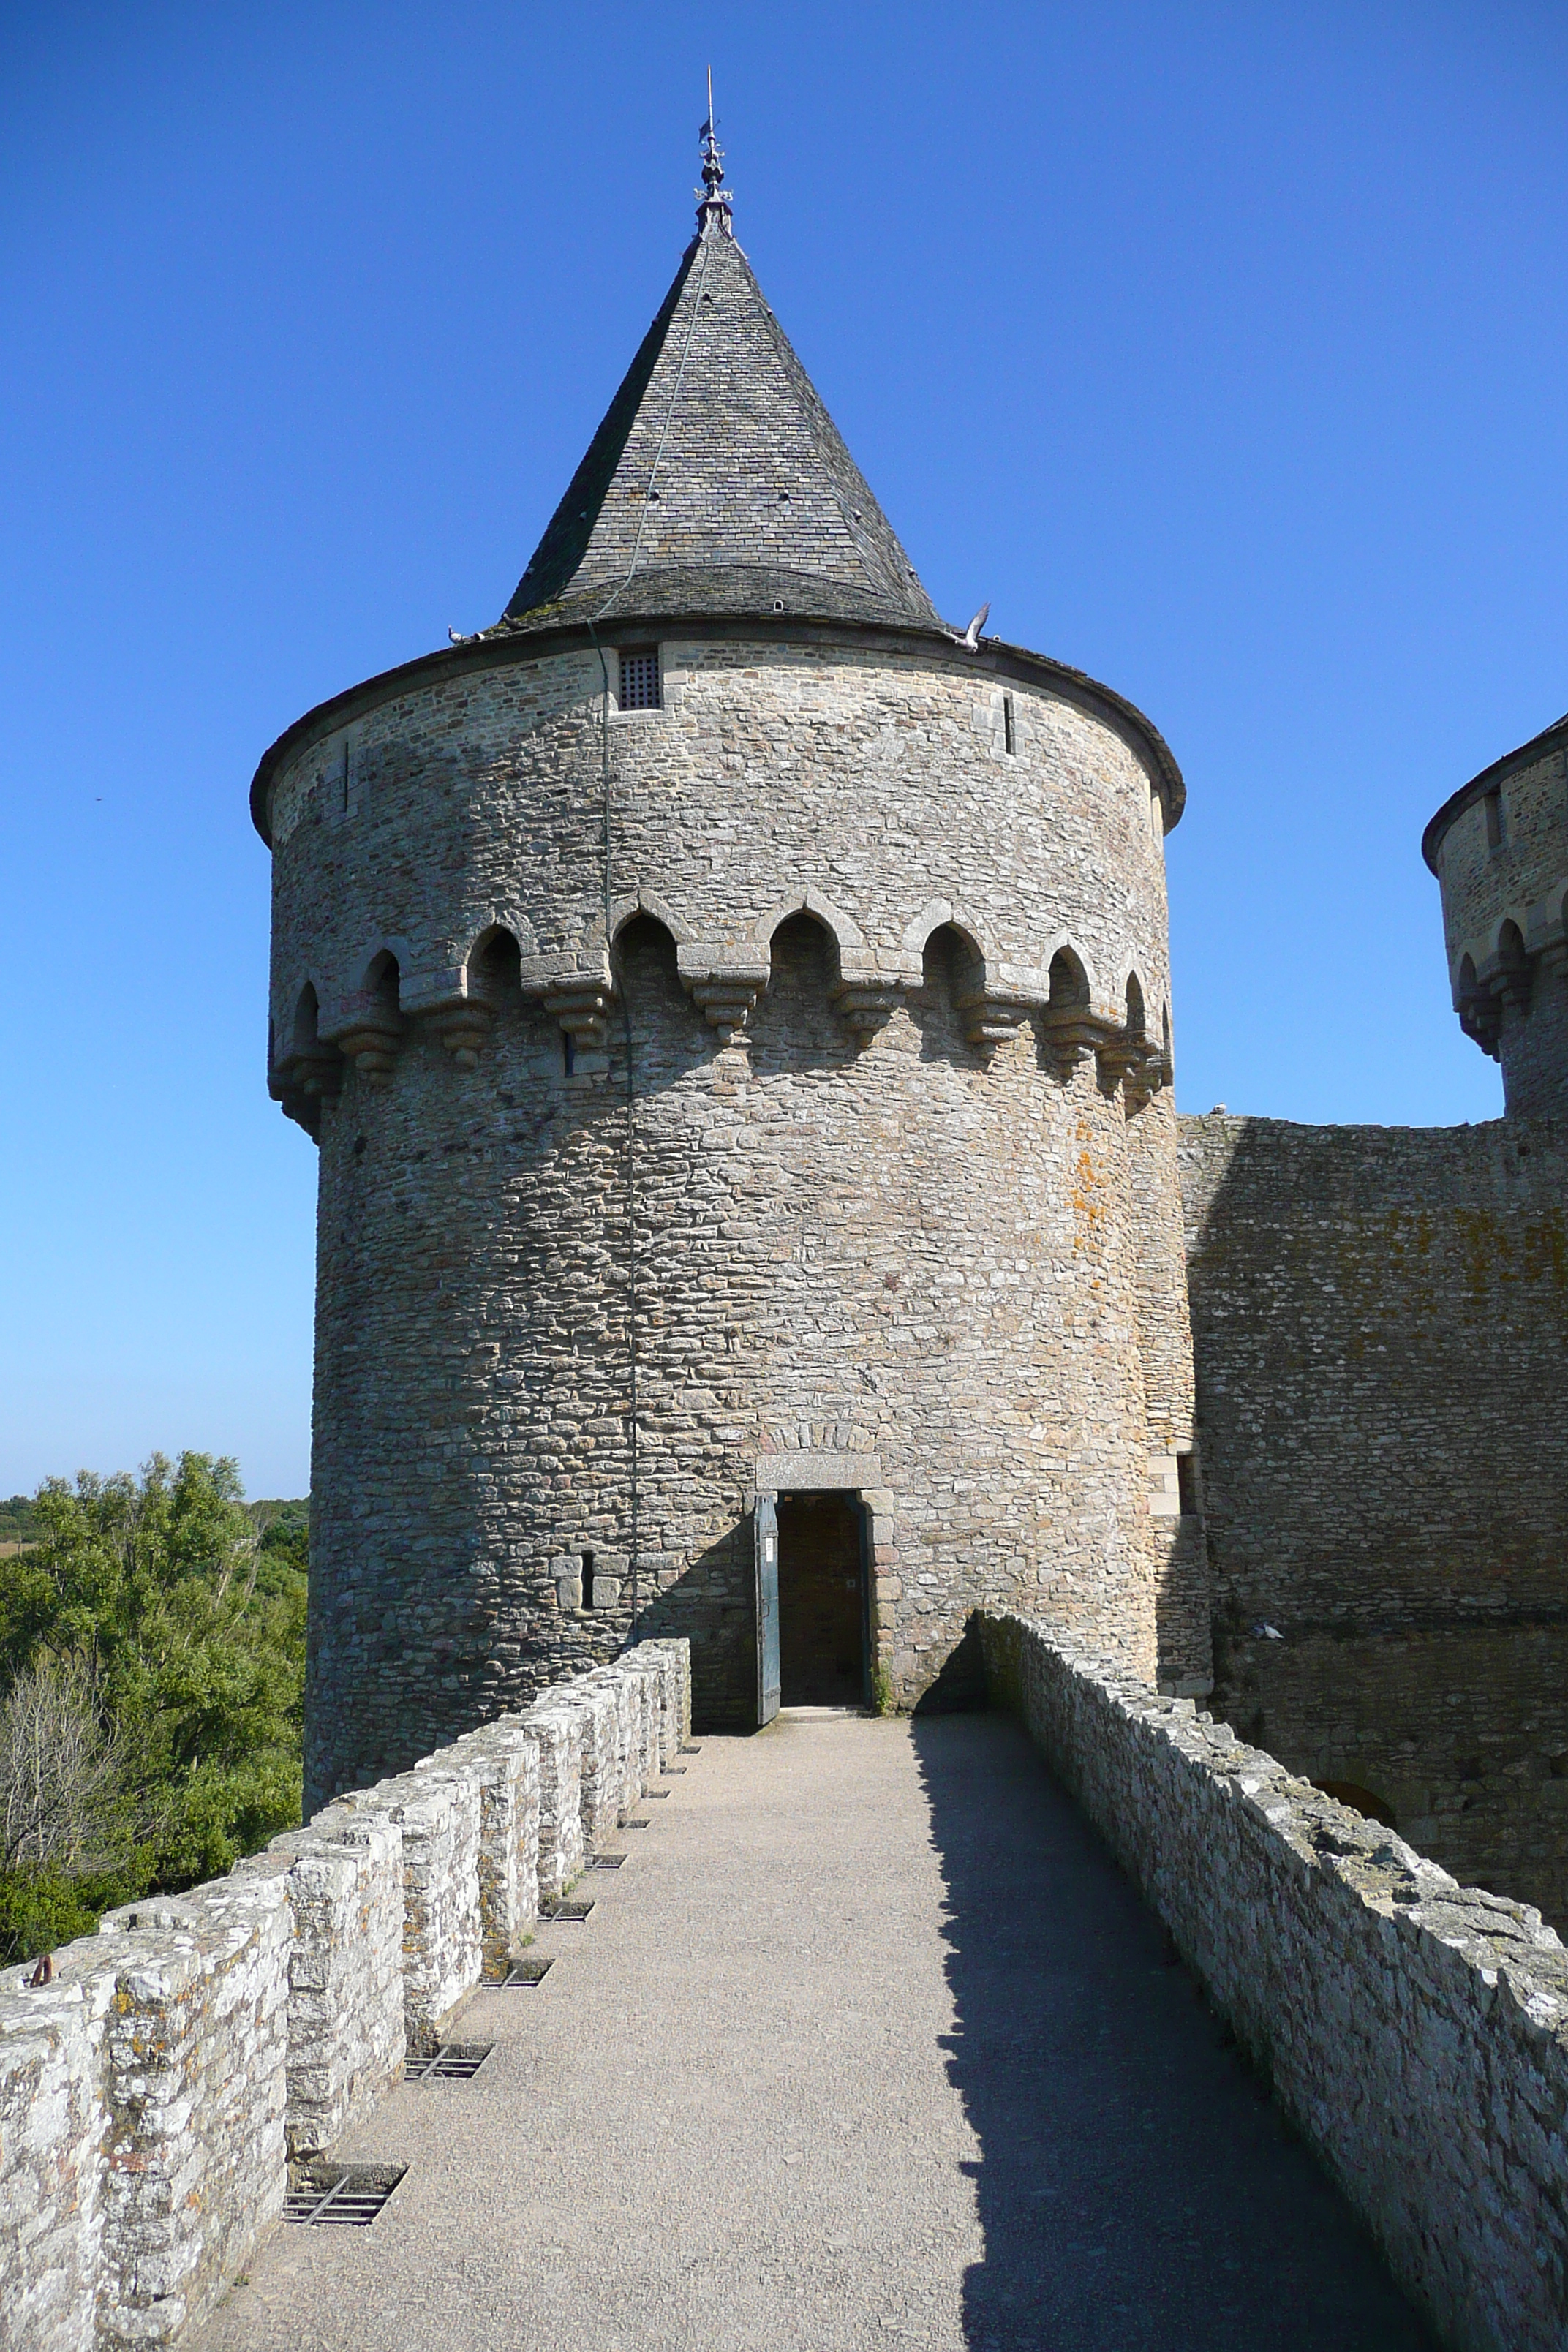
867	2040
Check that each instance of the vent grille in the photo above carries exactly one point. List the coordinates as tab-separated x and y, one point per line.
525	1974
454	2061
349	2196
639	678
571	1914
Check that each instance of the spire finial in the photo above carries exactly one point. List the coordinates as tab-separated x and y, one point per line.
716	210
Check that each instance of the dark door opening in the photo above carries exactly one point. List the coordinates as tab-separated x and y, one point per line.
822	1600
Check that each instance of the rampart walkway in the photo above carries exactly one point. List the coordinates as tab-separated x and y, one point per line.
869	2040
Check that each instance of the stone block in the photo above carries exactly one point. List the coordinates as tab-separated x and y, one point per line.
603	1772
559	1731
54	2128
346	2027
505	1757
437	1809
195	2086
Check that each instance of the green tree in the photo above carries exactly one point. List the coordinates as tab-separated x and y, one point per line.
159	1596
17	1519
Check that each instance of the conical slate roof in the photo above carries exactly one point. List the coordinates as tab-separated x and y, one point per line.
718	482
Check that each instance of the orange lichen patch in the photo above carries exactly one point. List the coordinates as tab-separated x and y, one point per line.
1086	1193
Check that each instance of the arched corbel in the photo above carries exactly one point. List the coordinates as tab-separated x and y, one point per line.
648	902
461	1012
1480	1014
309	1071
993	1008
371	1023
1071	1025
1132	1056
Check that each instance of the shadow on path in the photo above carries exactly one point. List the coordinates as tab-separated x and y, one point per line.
1136	2190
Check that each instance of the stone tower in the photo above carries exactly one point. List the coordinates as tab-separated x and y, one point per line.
733	1009
1499	850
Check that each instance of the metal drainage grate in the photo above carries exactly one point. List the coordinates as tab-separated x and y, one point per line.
605	1860
352	2195
688	1750
638	1822
658	1795
454	2061
571	1914
527	1973
670	1769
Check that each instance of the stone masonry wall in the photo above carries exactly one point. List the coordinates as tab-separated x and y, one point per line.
1415	2030
1178	1555
1380	1322
890	1221
151	2094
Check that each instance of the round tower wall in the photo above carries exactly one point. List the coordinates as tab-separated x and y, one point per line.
1502	861
877	1179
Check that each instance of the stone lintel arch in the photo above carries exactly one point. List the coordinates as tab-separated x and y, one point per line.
480	928
846	931
1130	966
951	914
648	902
369	1021
374	968
302	1033
1063	943
1499	947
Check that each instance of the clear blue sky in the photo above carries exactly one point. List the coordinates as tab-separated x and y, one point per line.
1223	348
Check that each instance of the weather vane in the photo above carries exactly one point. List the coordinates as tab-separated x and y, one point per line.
715	206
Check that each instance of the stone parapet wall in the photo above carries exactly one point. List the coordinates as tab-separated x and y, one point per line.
195	2053
1414	2030
601	1770
54	2126
559	1732
152	2093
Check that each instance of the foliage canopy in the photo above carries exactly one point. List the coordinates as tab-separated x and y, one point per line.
152	1681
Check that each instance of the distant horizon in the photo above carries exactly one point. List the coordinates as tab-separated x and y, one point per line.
1227	359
